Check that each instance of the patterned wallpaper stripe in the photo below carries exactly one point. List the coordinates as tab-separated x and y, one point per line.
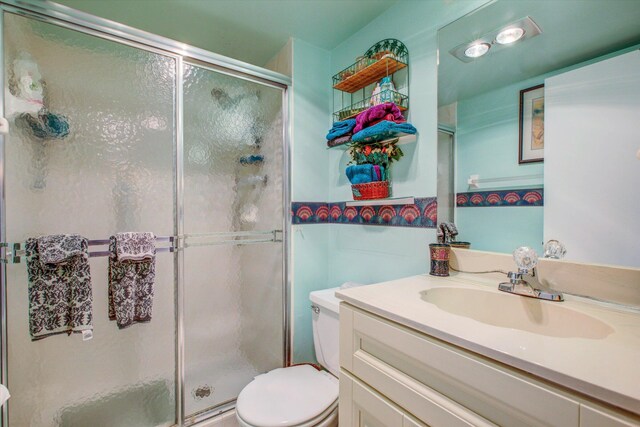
522	197
423	213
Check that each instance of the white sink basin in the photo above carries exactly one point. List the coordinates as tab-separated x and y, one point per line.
517	312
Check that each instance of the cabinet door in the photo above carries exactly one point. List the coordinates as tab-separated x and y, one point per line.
360	406
410	422
592	417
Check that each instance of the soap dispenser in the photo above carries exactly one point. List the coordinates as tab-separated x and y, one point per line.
386	90
375	95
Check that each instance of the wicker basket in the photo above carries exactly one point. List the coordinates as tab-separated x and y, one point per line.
370	190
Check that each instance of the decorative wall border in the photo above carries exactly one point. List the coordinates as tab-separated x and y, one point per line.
521	197
421	214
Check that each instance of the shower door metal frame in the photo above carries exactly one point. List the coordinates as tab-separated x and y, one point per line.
63	16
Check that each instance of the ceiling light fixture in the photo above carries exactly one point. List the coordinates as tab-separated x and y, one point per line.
476	50
510	35
496	40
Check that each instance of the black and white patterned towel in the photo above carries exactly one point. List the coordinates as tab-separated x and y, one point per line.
132	271
60	295
135	246
446	232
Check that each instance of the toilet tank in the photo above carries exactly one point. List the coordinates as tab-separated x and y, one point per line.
326	328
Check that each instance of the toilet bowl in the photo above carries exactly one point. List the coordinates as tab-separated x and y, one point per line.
296	396
299	396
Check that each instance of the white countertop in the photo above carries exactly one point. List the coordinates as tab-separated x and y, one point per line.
605	368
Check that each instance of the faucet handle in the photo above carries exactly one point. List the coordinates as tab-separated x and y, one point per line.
554	249
526	258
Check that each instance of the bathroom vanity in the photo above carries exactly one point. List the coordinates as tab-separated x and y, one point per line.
454	351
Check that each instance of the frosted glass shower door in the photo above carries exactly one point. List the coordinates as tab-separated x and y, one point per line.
233	201
110	171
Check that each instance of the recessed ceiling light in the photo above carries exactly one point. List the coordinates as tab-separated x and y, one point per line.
510	35
477	50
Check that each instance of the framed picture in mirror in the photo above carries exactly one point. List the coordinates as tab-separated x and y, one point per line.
531	148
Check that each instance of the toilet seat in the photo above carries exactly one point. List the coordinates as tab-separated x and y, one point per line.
329	418
298	396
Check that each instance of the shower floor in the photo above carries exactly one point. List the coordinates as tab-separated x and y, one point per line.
225	378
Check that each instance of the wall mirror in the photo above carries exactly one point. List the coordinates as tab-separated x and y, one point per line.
539	127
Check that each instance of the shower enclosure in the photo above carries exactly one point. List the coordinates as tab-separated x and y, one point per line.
111	130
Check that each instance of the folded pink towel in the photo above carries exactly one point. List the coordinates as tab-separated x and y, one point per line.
378	173
376	113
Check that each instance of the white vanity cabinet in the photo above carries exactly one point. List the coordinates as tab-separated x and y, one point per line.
361	406
392	375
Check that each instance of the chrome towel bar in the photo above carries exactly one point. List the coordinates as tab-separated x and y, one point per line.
12	253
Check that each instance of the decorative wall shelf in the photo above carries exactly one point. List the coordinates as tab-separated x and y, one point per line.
402	139
359	75
385	65
387	58
386	202
402	101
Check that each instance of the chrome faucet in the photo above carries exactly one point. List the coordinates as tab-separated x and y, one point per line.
525	282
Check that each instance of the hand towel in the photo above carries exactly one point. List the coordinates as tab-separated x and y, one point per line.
341	128
446	232
132	270
388	117
360	174
451	230
383	175
376	168
375	113
60	295
383	130
44	125
340	140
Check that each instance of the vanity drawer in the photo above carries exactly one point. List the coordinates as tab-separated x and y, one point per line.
361	406
591	416
421	373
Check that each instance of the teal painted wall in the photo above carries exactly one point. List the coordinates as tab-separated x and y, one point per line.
310	119
487	145
487	138
372	254
501	229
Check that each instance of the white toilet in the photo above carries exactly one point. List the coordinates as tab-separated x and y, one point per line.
299	396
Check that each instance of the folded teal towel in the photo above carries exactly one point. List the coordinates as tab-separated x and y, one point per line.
341	128
361	174
383	130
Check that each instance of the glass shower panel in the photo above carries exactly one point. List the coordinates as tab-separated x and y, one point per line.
233	320
233	294
98	160
233	153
